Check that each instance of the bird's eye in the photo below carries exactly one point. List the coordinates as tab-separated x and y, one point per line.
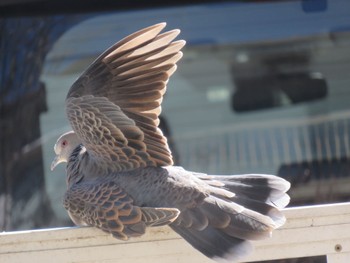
64	143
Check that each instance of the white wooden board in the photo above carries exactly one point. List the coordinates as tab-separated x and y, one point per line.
309	231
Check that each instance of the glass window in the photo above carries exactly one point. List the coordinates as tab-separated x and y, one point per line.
262	88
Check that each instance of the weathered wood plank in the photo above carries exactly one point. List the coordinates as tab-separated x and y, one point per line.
309	231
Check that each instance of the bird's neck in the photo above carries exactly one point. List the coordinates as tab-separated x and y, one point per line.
73	166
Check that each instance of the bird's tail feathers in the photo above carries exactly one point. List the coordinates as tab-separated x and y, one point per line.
238	209
215	244
265	194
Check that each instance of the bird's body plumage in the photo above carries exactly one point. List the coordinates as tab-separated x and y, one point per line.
120	176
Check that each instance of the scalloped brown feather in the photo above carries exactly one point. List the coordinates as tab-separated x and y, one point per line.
105	205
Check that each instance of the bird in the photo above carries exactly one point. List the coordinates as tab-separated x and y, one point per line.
120	173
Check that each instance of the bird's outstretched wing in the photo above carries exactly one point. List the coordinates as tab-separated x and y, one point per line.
114	106
107	206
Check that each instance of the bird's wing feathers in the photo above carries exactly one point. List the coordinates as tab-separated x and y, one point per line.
108	135
125	87
107	206
159	216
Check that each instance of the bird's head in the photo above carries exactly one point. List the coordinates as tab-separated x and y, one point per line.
64	147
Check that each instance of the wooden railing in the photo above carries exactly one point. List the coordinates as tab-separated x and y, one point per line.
309	231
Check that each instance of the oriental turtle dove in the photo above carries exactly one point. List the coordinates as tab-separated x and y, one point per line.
120	176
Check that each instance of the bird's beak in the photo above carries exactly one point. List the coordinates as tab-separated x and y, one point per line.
55	161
